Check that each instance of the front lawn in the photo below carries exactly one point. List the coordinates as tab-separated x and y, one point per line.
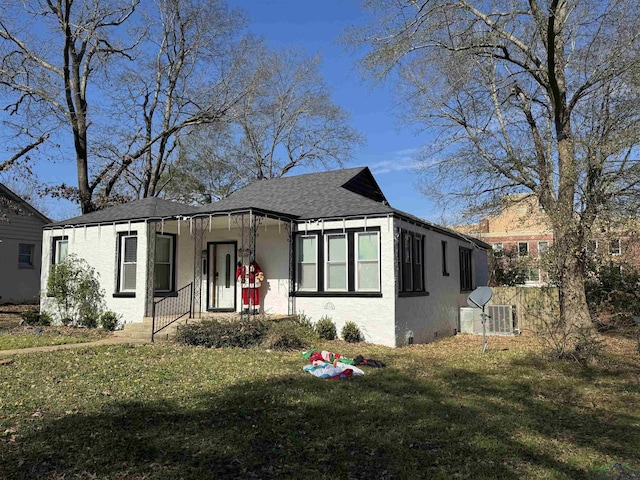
440	411
28	336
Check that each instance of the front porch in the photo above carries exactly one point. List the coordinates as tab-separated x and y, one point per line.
192	264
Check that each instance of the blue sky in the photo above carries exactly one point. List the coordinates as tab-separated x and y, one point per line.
390	147
315	26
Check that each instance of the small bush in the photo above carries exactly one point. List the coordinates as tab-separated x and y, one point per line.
216	333
351	333
326	329
109	320
35	318
290	334
89	320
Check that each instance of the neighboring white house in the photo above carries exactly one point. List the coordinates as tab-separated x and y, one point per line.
20	248
328	243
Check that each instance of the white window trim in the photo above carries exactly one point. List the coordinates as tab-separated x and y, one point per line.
121	264
615	254
533	282
528	251
543	241
327	262
57	243
498	247
171	262
315	263
357	262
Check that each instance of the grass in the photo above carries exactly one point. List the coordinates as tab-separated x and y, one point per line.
439	411
31	337
16	336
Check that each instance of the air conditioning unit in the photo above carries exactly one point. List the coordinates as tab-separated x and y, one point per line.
501	320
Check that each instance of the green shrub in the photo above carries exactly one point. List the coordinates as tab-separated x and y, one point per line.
351	333
326	329
290	334
217	333
89	320
76	291
109	320
35	318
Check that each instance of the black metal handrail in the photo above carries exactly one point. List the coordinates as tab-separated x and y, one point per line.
171	308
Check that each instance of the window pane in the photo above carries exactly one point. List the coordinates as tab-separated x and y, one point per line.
129	276
130	249
306	249
336	248
367	246
163	249
307	276
25	255
62	250
523	249
368	276
162	277
407	248
337	276
543	247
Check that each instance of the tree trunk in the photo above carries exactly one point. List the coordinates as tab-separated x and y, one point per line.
570	276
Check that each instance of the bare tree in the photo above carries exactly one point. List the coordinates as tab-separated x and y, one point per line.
47	77
205	170
537	96
288	119
189	73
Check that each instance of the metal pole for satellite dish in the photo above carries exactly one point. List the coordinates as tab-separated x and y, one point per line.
484	330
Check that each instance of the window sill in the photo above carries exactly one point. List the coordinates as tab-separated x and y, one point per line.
338	294
165	294
25	267
413	294
124	295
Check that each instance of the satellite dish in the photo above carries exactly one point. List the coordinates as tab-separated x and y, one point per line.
480	297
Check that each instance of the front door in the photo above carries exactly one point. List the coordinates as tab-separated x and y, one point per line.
221	291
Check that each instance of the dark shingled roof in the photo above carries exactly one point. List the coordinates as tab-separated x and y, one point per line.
337	193
351	192
150	207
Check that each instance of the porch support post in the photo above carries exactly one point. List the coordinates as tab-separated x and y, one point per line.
198	237
151	263
291	310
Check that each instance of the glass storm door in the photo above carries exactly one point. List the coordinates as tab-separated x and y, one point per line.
222	276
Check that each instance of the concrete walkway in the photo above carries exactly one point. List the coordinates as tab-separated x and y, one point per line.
68	346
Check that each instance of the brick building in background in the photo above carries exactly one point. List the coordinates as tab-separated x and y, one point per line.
522	227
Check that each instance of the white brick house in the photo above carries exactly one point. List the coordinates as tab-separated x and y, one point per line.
328	244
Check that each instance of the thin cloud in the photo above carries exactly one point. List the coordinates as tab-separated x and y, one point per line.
401	160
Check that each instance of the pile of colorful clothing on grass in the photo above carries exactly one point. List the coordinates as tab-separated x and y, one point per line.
334	366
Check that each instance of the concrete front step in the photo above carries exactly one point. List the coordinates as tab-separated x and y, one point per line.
142	330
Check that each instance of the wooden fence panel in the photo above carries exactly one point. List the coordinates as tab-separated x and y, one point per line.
534	305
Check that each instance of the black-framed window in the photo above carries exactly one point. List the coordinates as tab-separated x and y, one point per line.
127	262
338	262
614	246
367	260
59	249
445	260
164	270
307	263
466	277
26	252
411	263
